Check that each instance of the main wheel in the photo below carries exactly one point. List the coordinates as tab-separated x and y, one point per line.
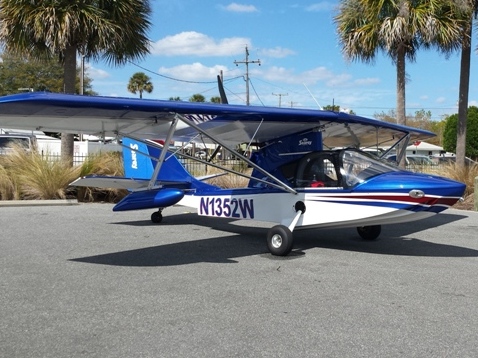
156	217
369	232
280	240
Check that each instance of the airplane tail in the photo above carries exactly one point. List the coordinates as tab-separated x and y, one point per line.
173	180
138	163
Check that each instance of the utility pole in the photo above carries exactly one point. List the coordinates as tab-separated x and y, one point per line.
280	96
247	62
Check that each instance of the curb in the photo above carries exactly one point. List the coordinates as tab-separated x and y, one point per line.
13	203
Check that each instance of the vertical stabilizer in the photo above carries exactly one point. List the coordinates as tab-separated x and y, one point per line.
139	163
136	165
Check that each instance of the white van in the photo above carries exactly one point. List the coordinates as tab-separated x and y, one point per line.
24	140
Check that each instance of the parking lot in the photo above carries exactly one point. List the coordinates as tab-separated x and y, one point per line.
82	281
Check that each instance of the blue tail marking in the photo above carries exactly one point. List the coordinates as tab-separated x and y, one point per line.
172	173
140	166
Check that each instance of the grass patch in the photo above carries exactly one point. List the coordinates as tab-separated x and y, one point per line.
29	175
229	180
107	163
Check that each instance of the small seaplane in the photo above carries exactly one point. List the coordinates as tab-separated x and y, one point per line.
297	180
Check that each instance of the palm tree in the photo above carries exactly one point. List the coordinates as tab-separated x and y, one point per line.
139	82
109	30
464	84
197	98
398	28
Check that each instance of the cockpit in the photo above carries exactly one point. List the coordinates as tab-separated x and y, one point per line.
332	169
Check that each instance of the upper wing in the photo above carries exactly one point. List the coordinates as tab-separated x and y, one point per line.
231	124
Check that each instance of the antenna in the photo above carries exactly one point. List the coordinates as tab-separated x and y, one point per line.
320	107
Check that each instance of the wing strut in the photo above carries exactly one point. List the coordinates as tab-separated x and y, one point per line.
245	159
193	158
158	166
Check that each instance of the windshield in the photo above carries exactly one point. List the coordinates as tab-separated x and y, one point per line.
356	167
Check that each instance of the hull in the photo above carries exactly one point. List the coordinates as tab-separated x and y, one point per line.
323	208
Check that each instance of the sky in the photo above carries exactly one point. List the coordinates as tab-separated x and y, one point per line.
301	61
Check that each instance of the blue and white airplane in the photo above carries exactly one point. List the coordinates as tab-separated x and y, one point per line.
298	180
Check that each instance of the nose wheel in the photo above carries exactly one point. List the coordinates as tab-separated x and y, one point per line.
157	217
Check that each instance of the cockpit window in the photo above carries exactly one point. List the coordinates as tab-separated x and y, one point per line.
344	168
357	167
317	170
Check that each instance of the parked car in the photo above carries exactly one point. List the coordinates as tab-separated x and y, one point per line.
413	160
439	159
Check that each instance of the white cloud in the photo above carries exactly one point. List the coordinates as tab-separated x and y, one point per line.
191	43
276	52
193	72
440	100
340	80
366	81
321	7
234	7
96	73
314	76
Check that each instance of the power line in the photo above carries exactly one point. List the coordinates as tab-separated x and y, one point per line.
177	79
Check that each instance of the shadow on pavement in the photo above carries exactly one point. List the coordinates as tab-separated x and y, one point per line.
248	241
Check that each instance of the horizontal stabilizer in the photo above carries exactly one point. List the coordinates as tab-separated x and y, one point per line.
110	182
106	182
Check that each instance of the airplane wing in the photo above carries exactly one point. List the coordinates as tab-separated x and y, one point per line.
231	124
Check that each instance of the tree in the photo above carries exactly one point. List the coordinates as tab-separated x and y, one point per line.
215	99
421	119
464	85
331	107
398	28
19	73
114	31
197	98
450	133
139	82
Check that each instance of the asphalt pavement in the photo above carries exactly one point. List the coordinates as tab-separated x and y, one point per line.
82	281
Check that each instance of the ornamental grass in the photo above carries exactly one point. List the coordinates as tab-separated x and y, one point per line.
30	175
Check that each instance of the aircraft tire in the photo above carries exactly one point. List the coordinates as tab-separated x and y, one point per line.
280	240
369	233
156	217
